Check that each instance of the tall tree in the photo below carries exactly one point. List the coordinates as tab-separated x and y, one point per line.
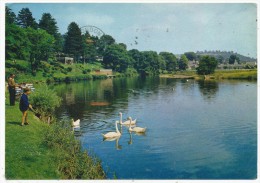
190	55
104	42
116	58
233	58
73	41
10	16
183	63
89	47
42	45
170	59
162	62
17	44
25	19
207	65
220	59
150	62
123	45
49	24
136	59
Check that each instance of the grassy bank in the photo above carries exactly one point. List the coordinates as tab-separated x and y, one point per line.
219	74
26	157
235	74
57	72
41	151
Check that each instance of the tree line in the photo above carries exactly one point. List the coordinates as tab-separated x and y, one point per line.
28	40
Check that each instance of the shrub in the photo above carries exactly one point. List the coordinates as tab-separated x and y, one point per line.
99	76
49	80
73	163
34	73
10	71
69	69
44	101
64	71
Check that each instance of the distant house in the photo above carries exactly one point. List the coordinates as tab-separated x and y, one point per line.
65	60
104	72
68	60
100	59
193	64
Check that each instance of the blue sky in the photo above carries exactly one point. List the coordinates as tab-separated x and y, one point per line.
173	27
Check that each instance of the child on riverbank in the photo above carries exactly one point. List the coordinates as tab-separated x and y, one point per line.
25	105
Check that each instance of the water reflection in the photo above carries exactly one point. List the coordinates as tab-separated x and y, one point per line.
182	137
116	139
208	89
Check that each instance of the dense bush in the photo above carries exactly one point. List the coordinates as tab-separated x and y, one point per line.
69	69
73	163
99	76
44	101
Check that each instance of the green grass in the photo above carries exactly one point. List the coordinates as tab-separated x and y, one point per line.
51	72
219	74
26	157
41	151
236	74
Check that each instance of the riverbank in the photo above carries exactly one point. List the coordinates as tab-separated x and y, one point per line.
58	72
25	155
42	151
219	74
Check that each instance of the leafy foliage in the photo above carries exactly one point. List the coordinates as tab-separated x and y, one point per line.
233	58
89	47
49	24
207	65
25	19
10	16
170	59
104	42
41	47
16	42
73	40
190	55
183	63
73	163
44	100
116	58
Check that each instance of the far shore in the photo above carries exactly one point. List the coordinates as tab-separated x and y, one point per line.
250	74
176	76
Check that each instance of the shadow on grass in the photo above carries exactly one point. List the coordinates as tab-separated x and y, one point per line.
14	123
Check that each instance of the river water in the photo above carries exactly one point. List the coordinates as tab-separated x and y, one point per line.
195	129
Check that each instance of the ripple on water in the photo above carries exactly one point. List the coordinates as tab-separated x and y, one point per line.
196	131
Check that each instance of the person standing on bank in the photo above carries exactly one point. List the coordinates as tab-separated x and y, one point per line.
11	88
25	105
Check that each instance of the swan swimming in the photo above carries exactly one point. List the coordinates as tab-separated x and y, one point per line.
136	129
112	134
75	123
126	122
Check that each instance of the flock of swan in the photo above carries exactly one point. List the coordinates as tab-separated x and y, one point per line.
131	124
131	127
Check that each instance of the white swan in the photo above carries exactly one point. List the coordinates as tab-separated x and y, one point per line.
136	129
112	134
75	123
126	122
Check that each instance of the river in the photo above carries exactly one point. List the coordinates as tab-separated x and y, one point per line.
195	129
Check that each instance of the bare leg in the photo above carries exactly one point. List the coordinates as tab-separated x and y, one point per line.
24	117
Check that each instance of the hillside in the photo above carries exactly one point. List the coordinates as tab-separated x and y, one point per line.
226	55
